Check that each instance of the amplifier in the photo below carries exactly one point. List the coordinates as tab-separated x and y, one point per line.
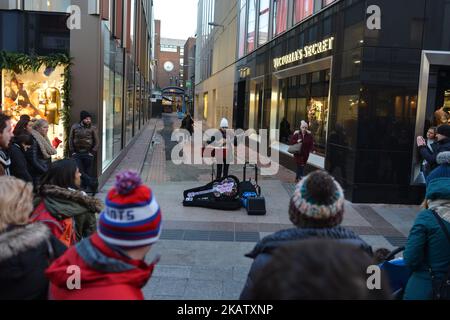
256	206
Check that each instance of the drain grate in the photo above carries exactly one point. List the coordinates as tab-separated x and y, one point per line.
247	236
202	235
397	241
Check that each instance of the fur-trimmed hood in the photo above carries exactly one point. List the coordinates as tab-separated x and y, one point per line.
21	239
92	204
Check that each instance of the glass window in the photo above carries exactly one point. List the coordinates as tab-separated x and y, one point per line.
302	9
264	11
205	106
130	99
327	2
251	23
242	18
112	99
305	98
280	13
47	5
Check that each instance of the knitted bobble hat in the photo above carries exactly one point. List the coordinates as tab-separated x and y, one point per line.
318	197
132	217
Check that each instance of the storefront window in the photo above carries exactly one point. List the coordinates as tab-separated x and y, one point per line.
280	13
251	25
39	95
205	106
138	105
130	99
47	5
264	11
305	97
303	9
327	2
242	18
112	99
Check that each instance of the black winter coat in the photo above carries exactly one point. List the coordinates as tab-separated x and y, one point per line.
262	252
19	164
37	164
438	147
25	254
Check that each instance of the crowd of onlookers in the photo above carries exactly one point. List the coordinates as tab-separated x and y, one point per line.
57	242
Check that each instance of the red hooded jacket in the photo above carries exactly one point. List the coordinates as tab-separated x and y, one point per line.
106	274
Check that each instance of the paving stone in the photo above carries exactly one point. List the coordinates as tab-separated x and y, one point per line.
204	290
170	287
211	273
232	289
175	272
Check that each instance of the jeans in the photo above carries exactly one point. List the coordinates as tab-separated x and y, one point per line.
85	163
300	171
222	167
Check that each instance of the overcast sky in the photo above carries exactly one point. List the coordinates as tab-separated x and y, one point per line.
178	18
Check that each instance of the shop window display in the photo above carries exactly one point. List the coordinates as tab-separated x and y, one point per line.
39	95
305	97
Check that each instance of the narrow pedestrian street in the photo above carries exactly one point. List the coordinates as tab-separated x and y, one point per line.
202	251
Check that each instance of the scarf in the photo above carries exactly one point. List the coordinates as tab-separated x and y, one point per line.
44	144
441	207
5	162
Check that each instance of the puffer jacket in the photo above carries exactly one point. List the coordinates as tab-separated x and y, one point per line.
83	139
262	253
427	245
25	254
59	205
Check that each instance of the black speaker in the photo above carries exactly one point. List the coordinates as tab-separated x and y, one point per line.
256	206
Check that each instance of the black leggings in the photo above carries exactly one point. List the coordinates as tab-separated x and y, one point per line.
222	167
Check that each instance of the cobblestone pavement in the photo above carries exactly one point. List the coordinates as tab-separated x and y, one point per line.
203	250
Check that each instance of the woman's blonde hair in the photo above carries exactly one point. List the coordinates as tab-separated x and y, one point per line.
16	202
39	123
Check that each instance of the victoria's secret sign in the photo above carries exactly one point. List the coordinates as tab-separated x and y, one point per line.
306	52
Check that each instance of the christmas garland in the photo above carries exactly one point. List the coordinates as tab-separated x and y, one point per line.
21	63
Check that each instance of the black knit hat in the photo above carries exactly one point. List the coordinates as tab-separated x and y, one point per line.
84	115
444	130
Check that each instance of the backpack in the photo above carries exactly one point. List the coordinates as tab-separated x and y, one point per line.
441	288
63	230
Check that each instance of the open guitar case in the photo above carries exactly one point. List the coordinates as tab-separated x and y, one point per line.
210	201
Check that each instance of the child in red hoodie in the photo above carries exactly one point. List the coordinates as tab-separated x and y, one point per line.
110	264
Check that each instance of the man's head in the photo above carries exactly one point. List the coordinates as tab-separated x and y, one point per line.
5	131
318	270
443	132
132	218
85	118
431	133
318	202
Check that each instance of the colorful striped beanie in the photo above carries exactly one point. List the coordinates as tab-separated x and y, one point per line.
132	217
